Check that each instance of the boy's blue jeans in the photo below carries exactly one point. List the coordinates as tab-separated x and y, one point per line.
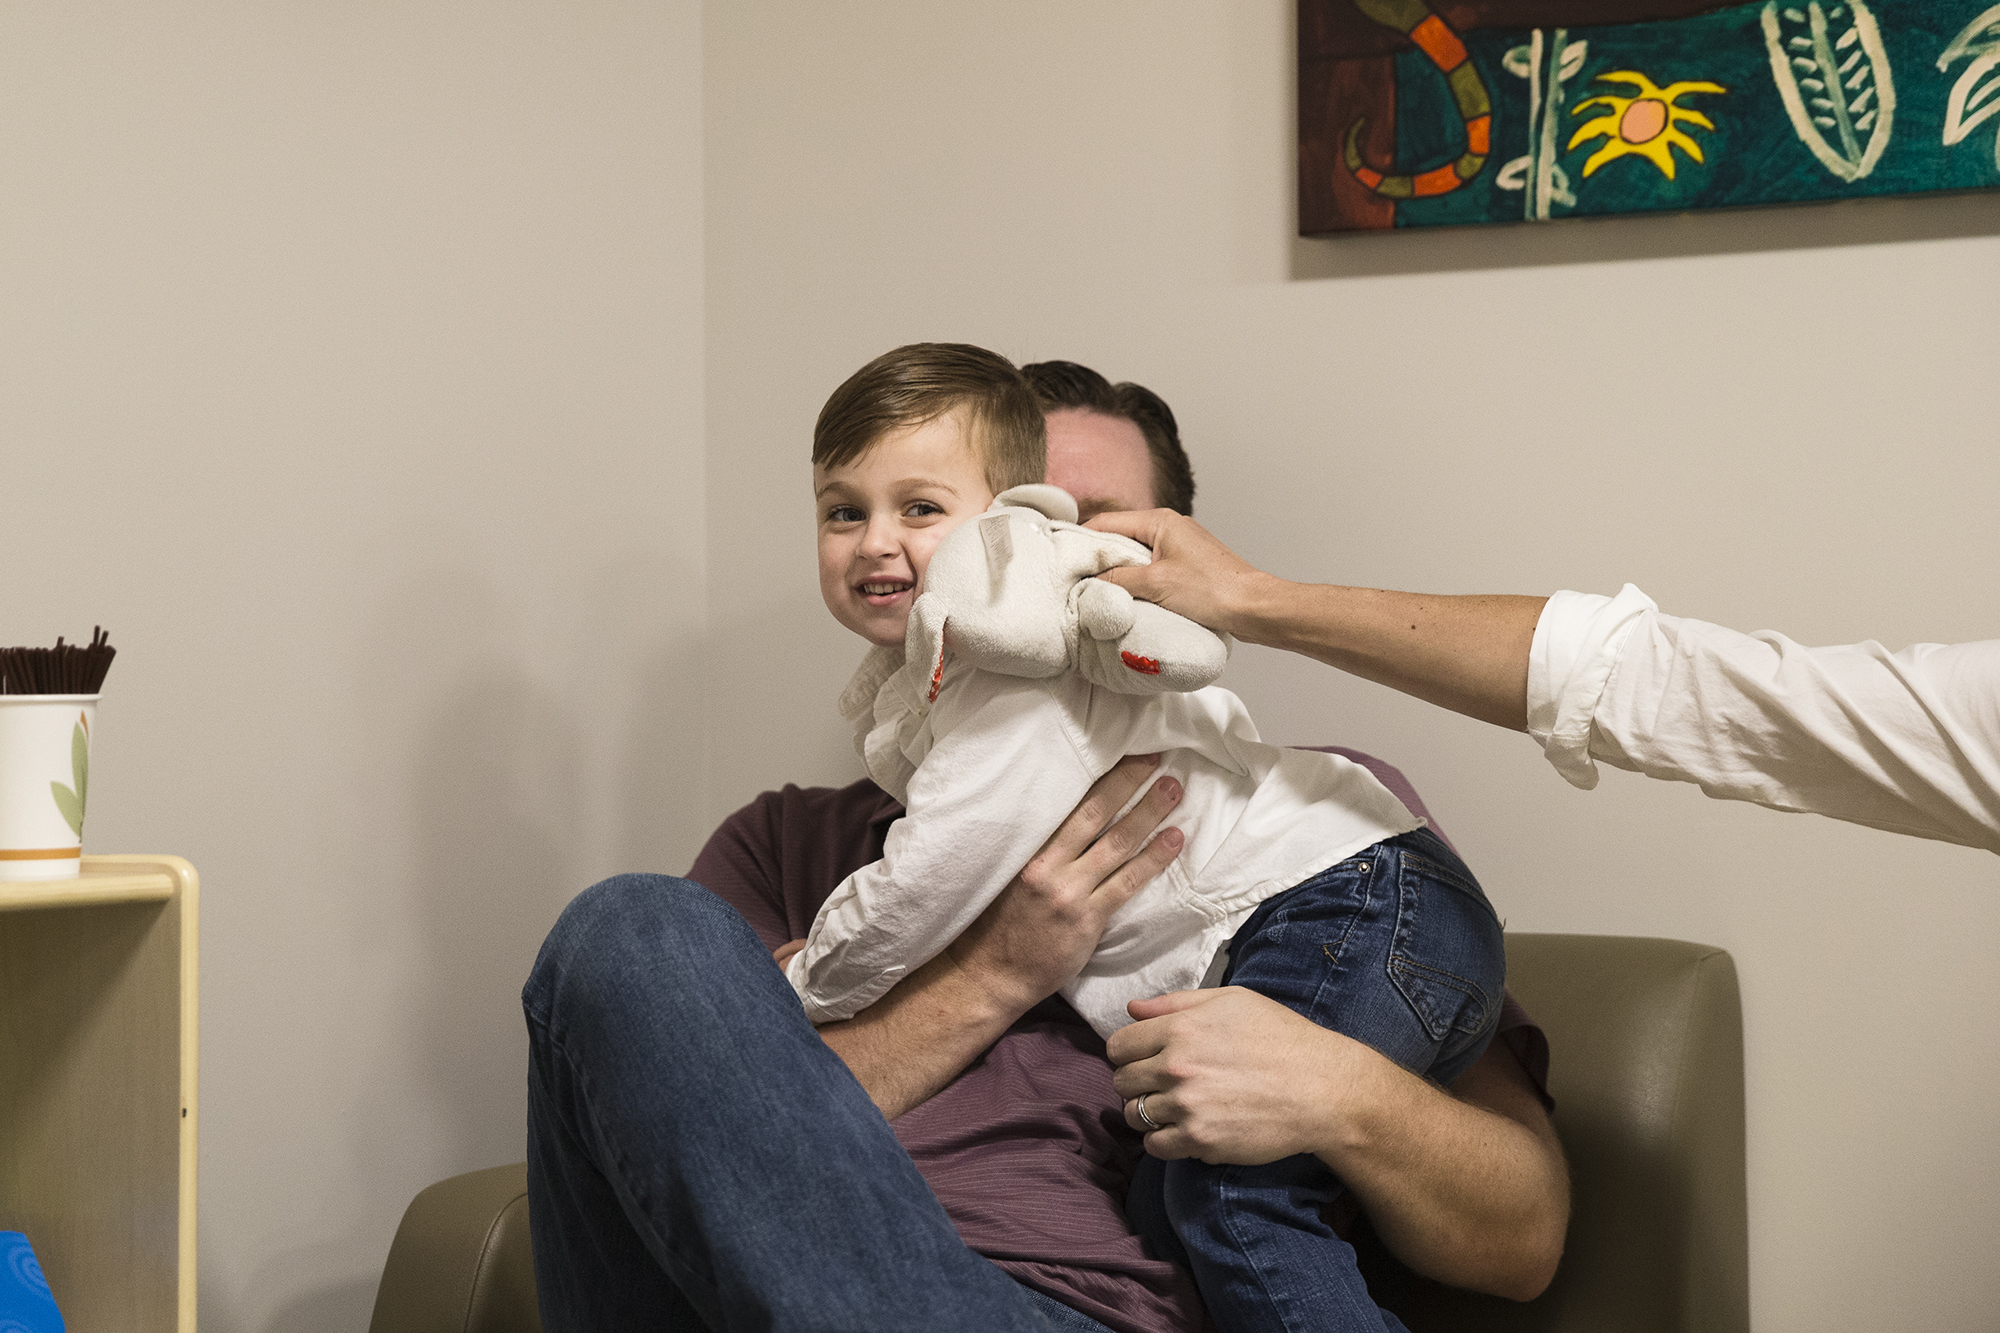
698	1158
1397	948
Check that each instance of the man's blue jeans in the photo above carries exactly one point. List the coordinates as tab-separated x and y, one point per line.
698	1158
1397	948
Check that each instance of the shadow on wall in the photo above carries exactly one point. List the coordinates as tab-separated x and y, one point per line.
500	836
1646	236
659	819
510	765
345	1307
775	717
476	826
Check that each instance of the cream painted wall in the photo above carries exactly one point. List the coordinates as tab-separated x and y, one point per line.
353	373
350	375
1775	419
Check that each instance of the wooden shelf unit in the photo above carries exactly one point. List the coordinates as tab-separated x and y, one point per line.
98	990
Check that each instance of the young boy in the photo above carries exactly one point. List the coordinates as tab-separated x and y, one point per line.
1301	875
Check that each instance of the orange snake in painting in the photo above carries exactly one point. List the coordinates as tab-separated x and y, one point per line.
1435	39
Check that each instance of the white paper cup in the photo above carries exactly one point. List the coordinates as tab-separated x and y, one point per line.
44	783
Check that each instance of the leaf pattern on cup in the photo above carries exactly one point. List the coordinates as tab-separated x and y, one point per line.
71	803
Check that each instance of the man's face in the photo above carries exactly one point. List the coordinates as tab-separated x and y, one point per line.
882	515
1100	460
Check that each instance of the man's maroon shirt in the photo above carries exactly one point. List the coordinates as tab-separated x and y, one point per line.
1028	1149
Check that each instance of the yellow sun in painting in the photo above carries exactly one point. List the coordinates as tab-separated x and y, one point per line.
1647	123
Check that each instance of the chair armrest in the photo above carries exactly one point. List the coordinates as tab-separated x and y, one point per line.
461	1261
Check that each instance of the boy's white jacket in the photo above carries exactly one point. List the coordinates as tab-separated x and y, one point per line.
988	763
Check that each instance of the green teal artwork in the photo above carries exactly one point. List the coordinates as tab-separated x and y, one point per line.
1413	115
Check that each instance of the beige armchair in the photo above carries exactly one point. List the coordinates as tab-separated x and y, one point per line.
1648	1079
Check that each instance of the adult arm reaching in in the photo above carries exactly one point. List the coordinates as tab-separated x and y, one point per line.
1906	741
1468	654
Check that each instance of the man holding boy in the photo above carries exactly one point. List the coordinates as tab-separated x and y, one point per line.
697	1150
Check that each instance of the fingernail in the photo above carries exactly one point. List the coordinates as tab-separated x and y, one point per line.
1169	788
1172	838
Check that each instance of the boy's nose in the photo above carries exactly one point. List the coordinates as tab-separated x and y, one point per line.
879	538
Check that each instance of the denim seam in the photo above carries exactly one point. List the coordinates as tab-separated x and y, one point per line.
555	1044
1465	986
1228	1218
1402	964
1463	883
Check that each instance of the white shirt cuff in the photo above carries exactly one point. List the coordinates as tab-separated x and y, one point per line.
1576	646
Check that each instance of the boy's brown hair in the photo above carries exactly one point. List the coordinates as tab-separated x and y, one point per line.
923	381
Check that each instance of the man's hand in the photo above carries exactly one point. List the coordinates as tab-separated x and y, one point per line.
1234	1076
1192	573
1471	1192
1045	925
1468	654
1037	934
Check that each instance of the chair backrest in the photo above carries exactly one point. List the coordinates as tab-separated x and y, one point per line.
461	1262
1646	1041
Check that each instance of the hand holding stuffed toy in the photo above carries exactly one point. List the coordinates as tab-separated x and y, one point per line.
1014	591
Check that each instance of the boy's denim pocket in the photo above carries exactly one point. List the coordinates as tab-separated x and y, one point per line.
1449	957
1395	946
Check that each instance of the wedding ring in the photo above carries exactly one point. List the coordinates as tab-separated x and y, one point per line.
1140	1107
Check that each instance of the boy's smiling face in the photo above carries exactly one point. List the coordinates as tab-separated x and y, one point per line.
881	515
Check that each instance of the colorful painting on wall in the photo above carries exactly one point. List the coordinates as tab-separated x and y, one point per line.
1471	111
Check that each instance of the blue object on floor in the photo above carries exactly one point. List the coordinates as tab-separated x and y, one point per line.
26	1306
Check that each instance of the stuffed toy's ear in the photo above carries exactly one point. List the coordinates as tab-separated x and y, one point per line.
1051	502
993	578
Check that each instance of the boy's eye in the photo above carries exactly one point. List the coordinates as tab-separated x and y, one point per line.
923	509
843	514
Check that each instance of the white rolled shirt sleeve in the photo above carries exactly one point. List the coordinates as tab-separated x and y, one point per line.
1906	741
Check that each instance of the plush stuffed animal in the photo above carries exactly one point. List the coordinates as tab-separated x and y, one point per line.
1013	591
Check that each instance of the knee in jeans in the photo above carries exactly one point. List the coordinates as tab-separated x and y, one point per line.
656	921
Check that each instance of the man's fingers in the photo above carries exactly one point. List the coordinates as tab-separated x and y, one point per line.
1099	804
1139	524
1159	1105
1140	1073
1127	838
1169	1144
1170	1003
1138	869
1142	581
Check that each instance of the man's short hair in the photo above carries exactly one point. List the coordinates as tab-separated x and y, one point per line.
1065	384
923	381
